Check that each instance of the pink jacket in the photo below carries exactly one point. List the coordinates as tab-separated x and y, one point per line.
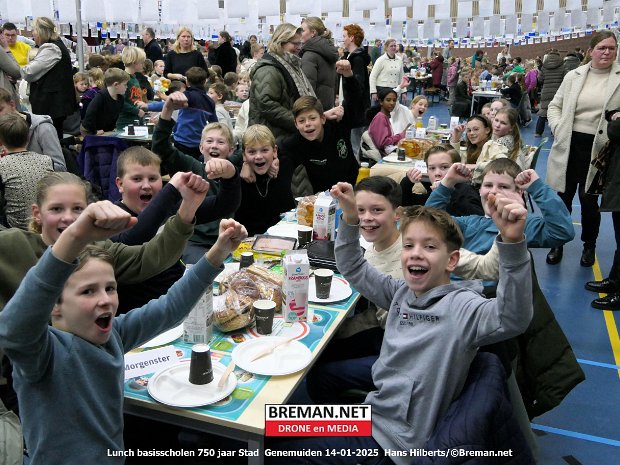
531	79
380	132
453	75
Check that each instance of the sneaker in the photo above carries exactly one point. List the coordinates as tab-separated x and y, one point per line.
611	302
537	135
605	286
527	123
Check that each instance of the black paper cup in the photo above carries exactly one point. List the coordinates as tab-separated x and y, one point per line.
323	282
304	235
247	258
200	368
130	130
150	128
263	312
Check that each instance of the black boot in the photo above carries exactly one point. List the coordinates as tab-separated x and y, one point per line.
555	255
588	256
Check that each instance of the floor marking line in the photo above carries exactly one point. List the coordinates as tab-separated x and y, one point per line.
610	322
598	364
574	434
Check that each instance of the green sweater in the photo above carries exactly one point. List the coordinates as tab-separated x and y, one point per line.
129	113
20	251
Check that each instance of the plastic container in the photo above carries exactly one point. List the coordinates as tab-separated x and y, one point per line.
363	172
432	123
419	123
410	132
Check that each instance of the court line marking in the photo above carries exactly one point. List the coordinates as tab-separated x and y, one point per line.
574	434
598	364
610	322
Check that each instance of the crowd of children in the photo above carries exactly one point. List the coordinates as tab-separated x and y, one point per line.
89	272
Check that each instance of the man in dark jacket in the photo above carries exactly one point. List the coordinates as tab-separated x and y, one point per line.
151	47
225	55
353	36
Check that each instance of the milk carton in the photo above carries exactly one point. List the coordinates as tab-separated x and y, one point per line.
295	285
324	221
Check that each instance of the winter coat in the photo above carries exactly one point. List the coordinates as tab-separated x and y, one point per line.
571	62
547	369
550	76
479	419
272	95
318	62
561	115
97	161
611	192
226	58
360	60
453	75
437	70
531	80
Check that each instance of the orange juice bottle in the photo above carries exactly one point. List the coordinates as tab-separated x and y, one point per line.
363	172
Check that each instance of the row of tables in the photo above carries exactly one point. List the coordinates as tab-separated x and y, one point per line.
241	416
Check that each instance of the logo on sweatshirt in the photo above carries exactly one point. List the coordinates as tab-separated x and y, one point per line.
414	318
341	146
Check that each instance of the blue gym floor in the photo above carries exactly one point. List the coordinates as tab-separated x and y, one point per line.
583	429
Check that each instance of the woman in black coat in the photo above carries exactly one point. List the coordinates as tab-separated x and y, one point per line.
611	203
225	55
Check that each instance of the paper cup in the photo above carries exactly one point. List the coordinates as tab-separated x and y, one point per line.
304	235
264	311
200	368
247	258
323	282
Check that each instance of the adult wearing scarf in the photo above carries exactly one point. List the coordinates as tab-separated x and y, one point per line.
277	81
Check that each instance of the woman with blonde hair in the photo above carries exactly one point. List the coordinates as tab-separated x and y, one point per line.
277	81
50	75
183	56
318	59
387	71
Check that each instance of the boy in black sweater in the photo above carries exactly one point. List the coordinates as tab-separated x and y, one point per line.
324	146
103	111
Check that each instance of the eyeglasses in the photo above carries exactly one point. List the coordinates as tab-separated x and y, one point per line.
605	49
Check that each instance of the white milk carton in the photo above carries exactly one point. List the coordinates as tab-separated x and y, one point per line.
324	221
295	285
198	326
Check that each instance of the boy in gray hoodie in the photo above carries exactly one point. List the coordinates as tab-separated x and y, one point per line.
434	327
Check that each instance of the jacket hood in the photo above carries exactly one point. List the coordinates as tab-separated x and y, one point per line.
553	61
360	52
323	47
37	120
